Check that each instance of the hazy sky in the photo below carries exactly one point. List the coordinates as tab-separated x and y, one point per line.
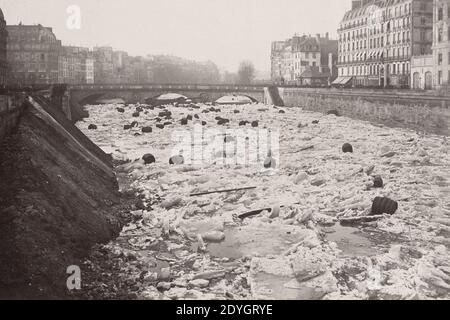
224	31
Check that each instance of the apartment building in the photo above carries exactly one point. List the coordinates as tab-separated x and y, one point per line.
377	39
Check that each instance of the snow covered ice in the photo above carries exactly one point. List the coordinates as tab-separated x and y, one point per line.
184	247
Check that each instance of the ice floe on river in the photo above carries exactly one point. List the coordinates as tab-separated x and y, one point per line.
296	249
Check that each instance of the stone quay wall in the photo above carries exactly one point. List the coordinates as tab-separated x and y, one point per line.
416	111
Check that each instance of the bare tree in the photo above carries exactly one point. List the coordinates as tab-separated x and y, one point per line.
229	77
246	72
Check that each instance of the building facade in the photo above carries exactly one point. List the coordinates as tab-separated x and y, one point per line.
76	65
89	68
305	53
104	67
32	55
290	59
422	70
121	67
441	44
3	50
377	39
276	59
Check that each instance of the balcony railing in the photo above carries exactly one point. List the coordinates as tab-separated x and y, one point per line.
376	59
397	58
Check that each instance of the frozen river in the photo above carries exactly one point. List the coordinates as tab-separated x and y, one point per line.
181	246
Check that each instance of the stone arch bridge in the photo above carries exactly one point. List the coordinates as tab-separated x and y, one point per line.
86	94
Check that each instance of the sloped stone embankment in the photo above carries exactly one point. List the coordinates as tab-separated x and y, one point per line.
58	197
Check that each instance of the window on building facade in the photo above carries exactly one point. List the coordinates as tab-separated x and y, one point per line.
422	35
440	77
440	59
440	34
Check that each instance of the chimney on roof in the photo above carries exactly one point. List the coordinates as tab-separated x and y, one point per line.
330	62
327	35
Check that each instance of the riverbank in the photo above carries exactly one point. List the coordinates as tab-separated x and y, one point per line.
58	197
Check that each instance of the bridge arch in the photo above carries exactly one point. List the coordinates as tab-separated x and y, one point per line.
85	94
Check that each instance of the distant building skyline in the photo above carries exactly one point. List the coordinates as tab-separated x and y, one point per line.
304	56
223	31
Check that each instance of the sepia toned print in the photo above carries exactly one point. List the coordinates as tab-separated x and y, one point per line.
225	150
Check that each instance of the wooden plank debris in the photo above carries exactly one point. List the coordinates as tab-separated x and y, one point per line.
221	191
354	220
258	211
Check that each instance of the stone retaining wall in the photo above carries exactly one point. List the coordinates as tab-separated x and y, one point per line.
10	110
417	116
58	197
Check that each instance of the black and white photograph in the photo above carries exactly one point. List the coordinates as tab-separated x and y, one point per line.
242	151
